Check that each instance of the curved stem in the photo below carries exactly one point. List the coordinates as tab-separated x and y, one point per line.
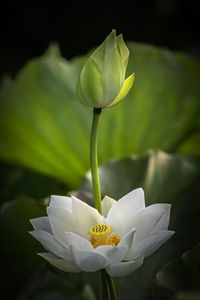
94	160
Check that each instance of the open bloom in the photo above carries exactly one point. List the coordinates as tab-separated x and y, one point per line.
78	238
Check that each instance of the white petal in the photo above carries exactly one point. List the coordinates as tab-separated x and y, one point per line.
115	254
149	245
79	242
88	261
124	268
128	238
83	253
85	216
50	243
62	264
61	221
112	254
121	213
107	203
61	202
41	223
146	222
163	210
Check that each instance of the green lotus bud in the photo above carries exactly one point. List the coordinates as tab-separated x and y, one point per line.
102	80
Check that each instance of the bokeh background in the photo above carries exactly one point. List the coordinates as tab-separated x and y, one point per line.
27	28
151	139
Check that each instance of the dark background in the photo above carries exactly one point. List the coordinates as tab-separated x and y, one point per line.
27	27
26	30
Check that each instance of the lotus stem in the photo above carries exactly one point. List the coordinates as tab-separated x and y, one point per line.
108	288
94	160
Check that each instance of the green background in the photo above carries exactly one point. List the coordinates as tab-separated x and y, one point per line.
150	139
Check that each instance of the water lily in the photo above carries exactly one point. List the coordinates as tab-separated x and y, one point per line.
77	238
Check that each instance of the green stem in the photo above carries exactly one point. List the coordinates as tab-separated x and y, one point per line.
108	288
105	293
94	160
111	285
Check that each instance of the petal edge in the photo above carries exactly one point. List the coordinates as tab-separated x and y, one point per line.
124	268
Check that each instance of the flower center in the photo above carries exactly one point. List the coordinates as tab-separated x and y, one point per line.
101	235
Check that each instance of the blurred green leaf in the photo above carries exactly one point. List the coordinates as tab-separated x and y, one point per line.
48	285
44	127
54	287
165	179
192	144
18	249
179	279
187	296
16	181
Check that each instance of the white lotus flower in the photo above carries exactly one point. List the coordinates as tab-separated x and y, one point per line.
77	238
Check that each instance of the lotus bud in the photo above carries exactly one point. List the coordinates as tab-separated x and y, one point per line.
102	80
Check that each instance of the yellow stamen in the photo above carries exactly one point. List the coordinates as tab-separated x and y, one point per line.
101	235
